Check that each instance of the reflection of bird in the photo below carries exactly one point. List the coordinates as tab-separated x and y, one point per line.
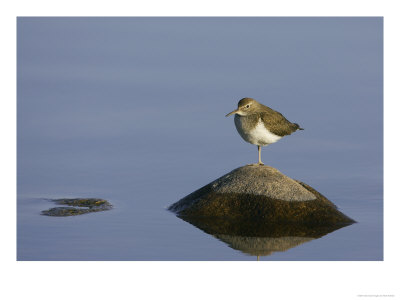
260	125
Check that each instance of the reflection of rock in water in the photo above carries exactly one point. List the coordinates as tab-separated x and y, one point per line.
260	246
259	237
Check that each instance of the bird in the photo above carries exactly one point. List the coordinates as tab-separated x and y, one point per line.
260	125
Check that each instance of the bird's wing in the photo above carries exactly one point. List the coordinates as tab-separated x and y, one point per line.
277	123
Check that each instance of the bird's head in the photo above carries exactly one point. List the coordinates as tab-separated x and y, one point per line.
246	106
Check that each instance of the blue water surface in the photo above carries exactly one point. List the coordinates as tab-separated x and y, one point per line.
132	110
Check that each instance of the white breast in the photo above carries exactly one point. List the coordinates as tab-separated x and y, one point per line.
258	135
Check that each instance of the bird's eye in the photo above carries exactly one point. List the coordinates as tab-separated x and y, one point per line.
247	106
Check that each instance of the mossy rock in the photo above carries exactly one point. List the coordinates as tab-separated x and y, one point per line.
78	206
260	193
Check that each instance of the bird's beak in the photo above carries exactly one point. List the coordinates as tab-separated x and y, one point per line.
233	112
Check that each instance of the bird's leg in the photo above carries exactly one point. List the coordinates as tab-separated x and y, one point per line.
259	156
260	163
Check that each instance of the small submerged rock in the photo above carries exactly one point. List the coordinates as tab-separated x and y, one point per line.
77	206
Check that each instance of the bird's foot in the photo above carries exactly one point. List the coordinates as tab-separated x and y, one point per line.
257	164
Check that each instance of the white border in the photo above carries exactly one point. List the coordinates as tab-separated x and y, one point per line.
197	280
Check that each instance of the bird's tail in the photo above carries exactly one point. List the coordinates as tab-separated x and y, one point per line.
298	126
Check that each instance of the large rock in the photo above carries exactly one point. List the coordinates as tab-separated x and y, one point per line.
260	193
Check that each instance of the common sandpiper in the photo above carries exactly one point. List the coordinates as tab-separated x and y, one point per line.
260	125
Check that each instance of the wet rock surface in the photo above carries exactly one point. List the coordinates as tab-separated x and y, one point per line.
77	206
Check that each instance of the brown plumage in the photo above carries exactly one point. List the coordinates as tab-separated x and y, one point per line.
273	120
260	125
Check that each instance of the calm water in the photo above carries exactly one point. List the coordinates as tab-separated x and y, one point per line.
132	110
